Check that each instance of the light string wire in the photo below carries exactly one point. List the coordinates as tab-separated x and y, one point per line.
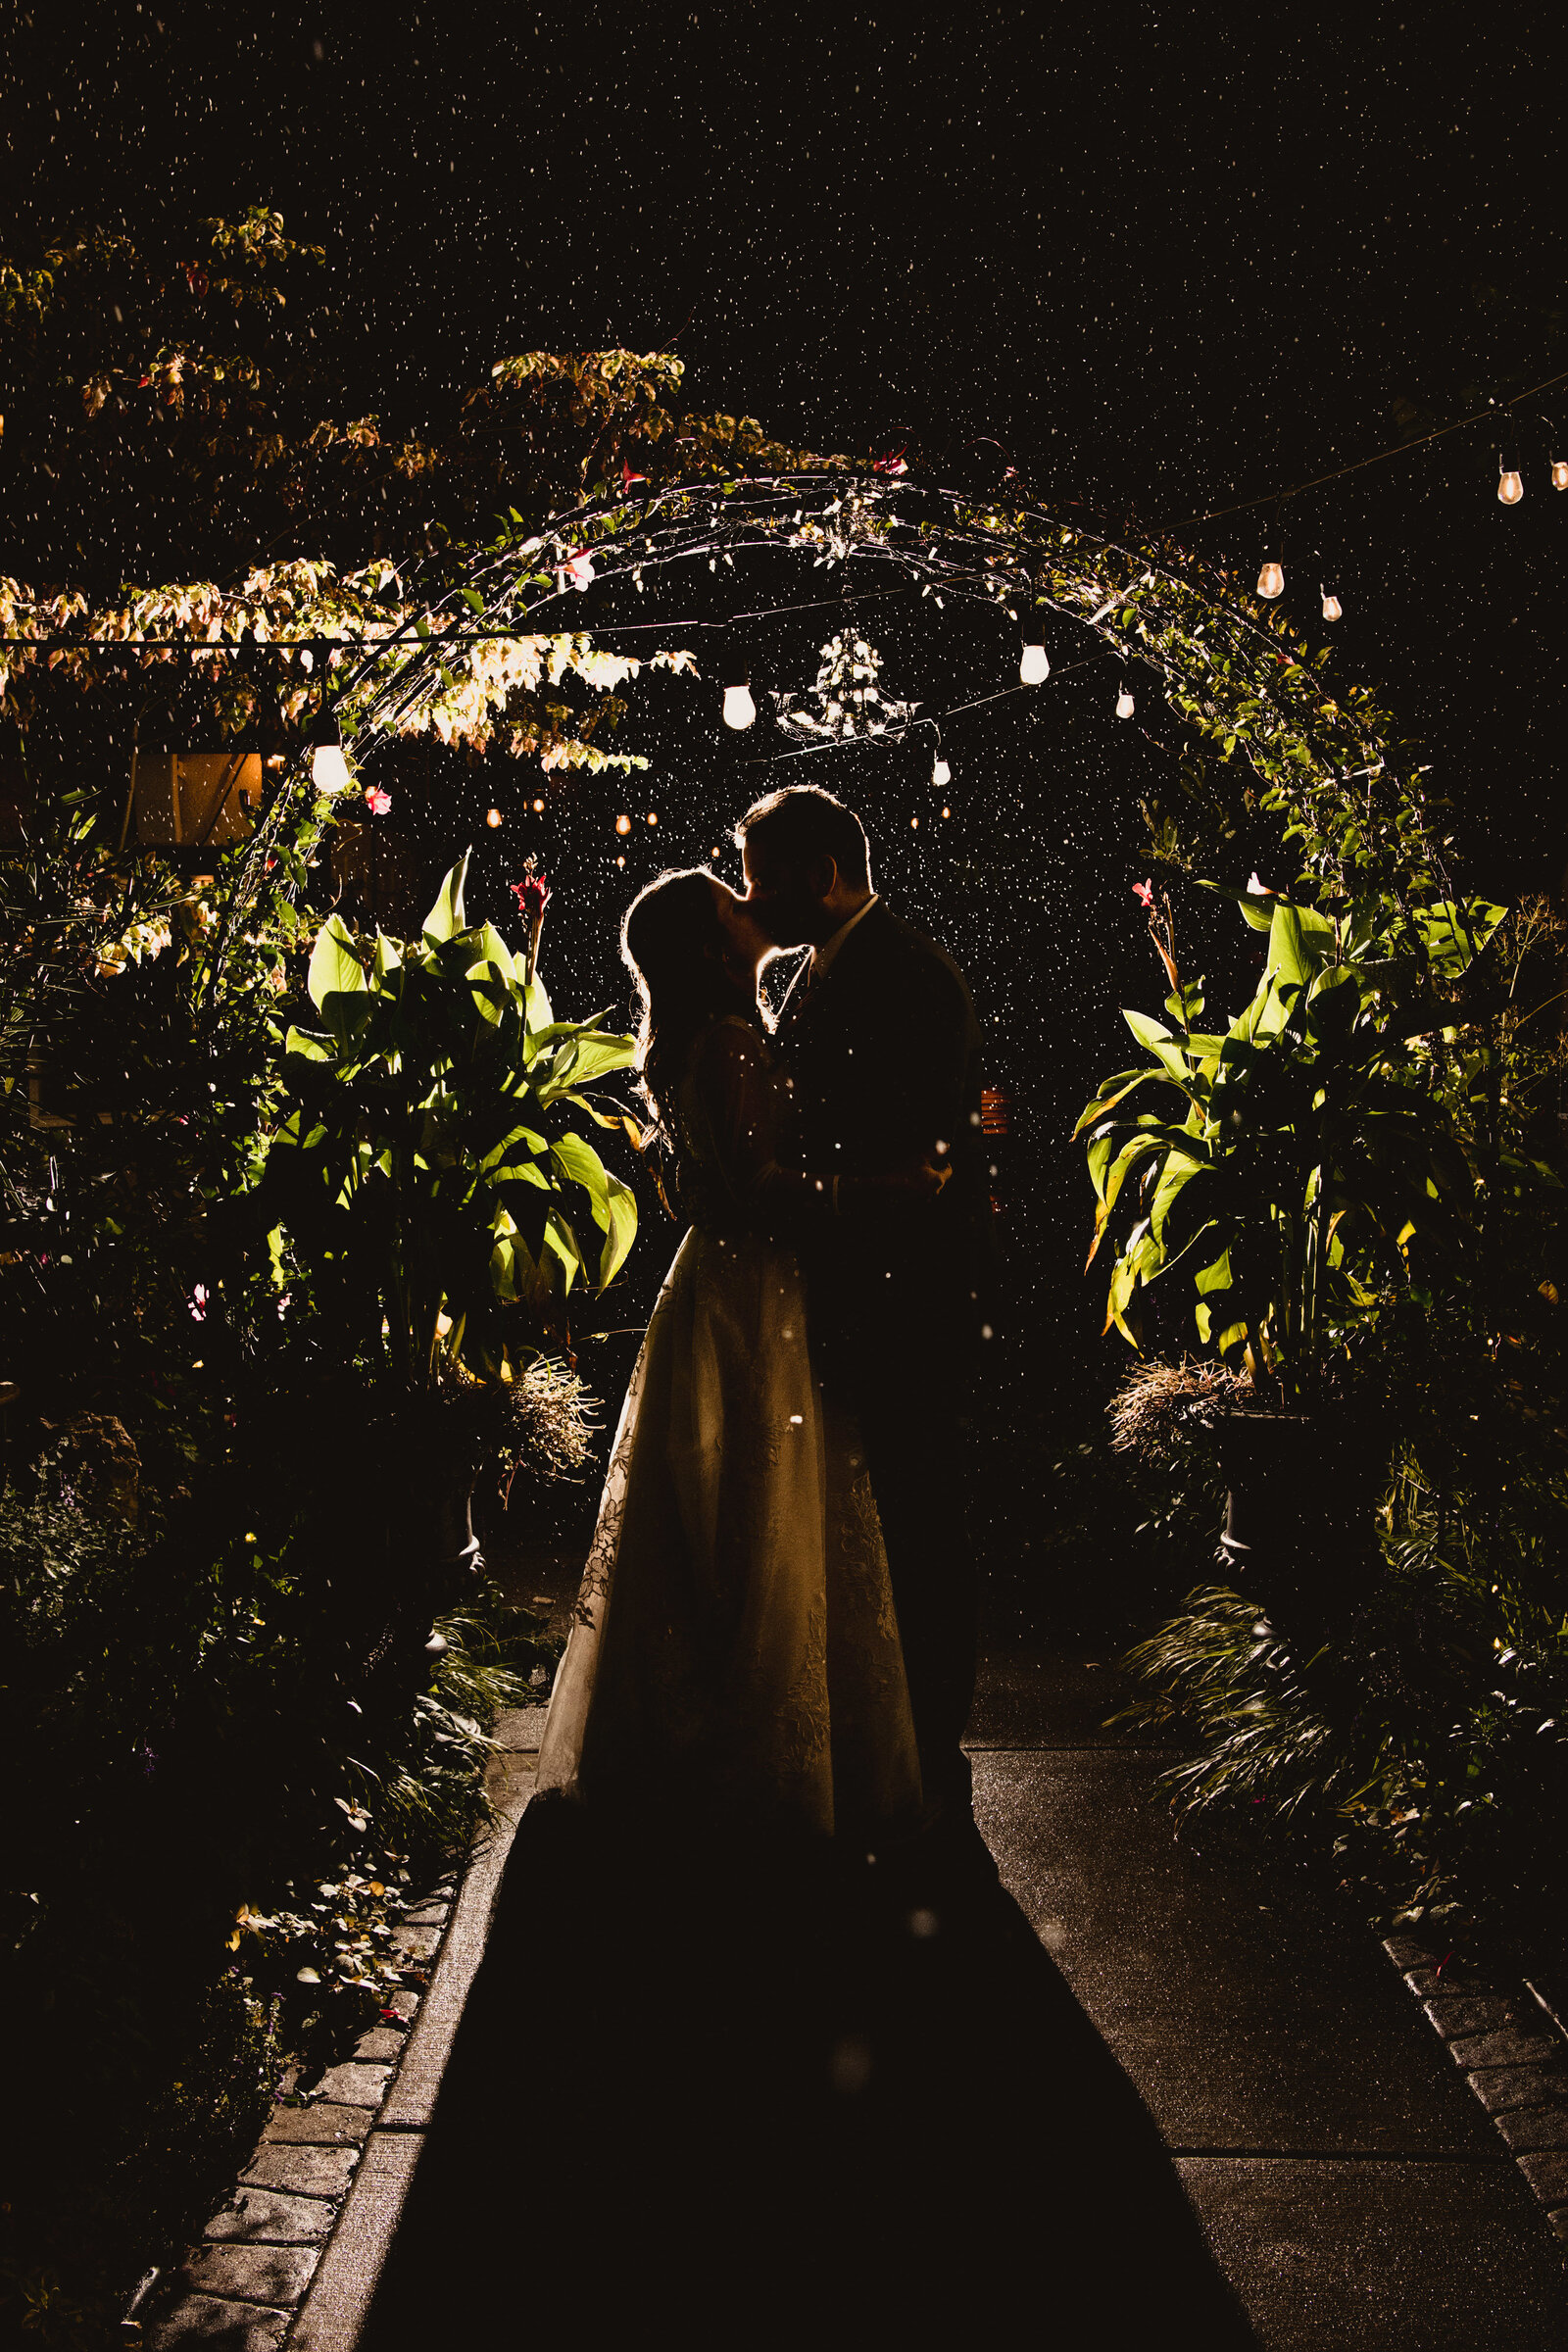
1396	449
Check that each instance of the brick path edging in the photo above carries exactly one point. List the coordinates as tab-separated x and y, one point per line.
1513	2049
294	2255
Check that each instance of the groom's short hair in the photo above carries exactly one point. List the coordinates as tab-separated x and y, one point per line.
802	822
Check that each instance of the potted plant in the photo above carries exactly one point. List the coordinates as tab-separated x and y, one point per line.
431	1180
1312	1164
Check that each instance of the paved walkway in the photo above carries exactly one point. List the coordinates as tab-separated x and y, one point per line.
1352	2186
1145	2089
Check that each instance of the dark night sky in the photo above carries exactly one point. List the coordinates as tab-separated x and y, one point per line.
1169	258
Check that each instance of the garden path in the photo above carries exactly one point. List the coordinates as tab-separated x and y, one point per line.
757	2100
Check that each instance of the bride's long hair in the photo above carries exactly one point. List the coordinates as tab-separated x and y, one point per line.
672	944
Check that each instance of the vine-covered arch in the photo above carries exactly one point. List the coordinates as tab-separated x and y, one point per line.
1326	762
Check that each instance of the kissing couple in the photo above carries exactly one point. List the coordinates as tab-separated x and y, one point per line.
776	1628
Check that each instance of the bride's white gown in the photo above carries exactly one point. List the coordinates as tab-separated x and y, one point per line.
735	1652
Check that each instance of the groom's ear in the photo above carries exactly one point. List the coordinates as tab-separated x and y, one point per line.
822	875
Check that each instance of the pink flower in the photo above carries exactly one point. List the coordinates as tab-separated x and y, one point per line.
1260	890
376	801
1143	893
198	1302
580	569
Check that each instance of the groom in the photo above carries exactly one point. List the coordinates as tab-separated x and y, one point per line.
881	1050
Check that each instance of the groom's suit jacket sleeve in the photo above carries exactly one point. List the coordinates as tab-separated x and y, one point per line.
883	1058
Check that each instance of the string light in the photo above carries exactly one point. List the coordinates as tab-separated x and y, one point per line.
739	708
941	772
329	771
1333	610
946	811
1271	579
652	816
538	808
1124	704
1033	666
492	818
1510	484
624	824
1560	473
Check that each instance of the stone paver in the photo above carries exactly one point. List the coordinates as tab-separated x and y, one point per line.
354	2083
307	2170
383	2045
1508	2047
324	2122
1458	2014
265	2274
271	2217
231	2327
1499	2087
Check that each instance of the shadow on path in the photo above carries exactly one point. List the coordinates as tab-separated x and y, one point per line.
761	2095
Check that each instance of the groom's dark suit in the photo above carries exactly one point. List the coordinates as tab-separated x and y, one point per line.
882	1055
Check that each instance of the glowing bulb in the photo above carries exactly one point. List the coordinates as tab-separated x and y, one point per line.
1033	666
1124	704
946	811
1331	607
1560	473
914	823
492	818
329	771
652	816
739	707
1510	489
1271	579
941	772
624	824
538	808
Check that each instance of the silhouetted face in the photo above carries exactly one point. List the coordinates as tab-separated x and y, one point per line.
746	943
788	902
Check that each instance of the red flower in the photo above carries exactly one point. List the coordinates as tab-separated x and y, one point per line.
891	462
627	477
1143	893
532	897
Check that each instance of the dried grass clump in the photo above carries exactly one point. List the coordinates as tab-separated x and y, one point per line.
1160	1403
550	1424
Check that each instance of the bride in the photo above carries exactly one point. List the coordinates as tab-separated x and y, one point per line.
735	1652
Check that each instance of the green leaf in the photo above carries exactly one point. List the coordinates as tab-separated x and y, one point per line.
622	1206
336	969
1299	941
445	918
576	1161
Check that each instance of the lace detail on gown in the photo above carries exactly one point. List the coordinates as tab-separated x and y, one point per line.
735	1651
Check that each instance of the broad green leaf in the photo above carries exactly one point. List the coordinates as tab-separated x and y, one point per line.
1299	941
307	1045
490	950
622	1206
445	918
578	1162
336	969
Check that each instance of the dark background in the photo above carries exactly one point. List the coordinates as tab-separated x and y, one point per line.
1169	258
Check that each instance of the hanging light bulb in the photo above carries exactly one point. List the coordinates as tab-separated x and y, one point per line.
492	818
1510	483
1333	610
329	771
1033	666
1124	704
1560	473
1271	579
941	772
735	676
624	824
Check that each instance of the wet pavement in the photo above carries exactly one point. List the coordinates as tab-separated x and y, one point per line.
1147	2085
